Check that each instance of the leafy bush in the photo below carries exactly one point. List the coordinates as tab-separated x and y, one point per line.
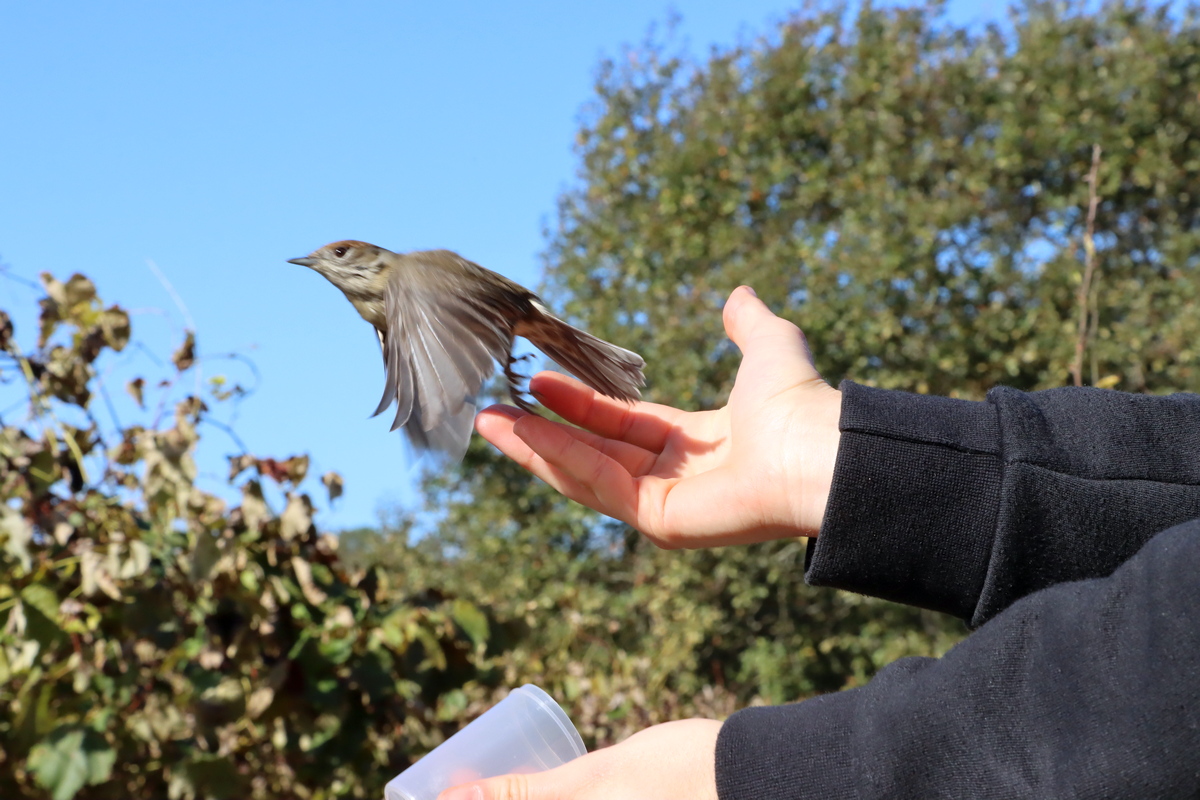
155	643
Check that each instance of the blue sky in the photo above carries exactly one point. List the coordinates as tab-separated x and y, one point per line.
216	140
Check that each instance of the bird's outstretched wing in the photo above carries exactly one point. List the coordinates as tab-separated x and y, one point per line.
440	347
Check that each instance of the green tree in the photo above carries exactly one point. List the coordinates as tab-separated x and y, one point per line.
915	196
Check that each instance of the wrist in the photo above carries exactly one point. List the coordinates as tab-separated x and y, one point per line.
823	449
817	436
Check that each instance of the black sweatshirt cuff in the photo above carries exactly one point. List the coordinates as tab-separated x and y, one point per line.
776	752
912	511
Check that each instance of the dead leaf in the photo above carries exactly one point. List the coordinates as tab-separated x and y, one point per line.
262	696
17	535
6	331
296	519
114	322
297	468
254	507
78	289
334	484
239	464
185	356
135	387
270	468
312	593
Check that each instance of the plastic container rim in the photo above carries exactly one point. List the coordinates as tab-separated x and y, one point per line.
560	717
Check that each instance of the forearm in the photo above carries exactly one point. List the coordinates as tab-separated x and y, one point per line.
965	507
1085	689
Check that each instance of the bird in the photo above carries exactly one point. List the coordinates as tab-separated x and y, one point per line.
443	322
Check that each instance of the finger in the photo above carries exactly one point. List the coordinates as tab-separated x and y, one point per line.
505	787
613	488
495	424
572	779
644	425
634	460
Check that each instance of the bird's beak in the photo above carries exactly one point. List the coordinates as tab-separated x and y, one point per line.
307	261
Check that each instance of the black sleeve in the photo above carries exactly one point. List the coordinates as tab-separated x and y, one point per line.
1089	686
964	506
1088	689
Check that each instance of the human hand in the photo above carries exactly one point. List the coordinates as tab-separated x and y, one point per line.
671	760
758	469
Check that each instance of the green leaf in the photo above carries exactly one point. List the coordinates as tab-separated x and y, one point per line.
41	614
69	759
452	705
473	621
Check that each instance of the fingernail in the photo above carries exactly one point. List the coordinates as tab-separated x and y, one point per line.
753	293
505	411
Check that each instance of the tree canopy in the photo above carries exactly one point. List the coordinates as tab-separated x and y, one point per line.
916	197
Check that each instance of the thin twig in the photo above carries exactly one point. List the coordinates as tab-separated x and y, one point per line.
187	316
245	361
100	436
221	426
237	400
1089	267
165	395
112	409
158	362
6	272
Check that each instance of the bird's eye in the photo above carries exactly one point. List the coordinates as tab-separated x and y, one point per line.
340	251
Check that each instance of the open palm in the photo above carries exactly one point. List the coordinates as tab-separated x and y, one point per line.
757	469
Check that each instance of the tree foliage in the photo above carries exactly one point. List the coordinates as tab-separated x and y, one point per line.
912	194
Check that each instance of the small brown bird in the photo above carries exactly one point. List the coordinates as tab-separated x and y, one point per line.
442	321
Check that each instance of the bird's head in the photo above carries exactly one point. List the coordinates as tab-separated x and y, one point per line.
352	266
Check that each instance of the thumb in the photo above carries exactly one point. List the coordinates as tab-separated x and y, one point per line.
751	325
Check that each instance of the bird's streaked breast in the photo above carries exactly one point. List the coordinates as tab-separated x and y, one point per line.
369	307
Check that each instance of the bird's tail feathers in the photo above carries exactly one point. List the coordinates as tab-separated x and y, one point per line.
610	370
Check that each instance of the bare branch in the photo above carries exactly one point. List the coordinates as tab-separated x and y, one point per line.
1089	268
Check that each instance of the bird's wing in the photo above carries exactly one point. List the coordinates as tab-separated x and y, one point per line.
438	350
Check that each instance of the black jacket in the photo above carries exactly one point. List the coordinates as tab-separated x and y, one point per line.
1062	525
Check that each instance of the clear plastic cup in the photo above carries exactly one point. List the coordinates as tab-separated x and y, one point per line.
525	732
